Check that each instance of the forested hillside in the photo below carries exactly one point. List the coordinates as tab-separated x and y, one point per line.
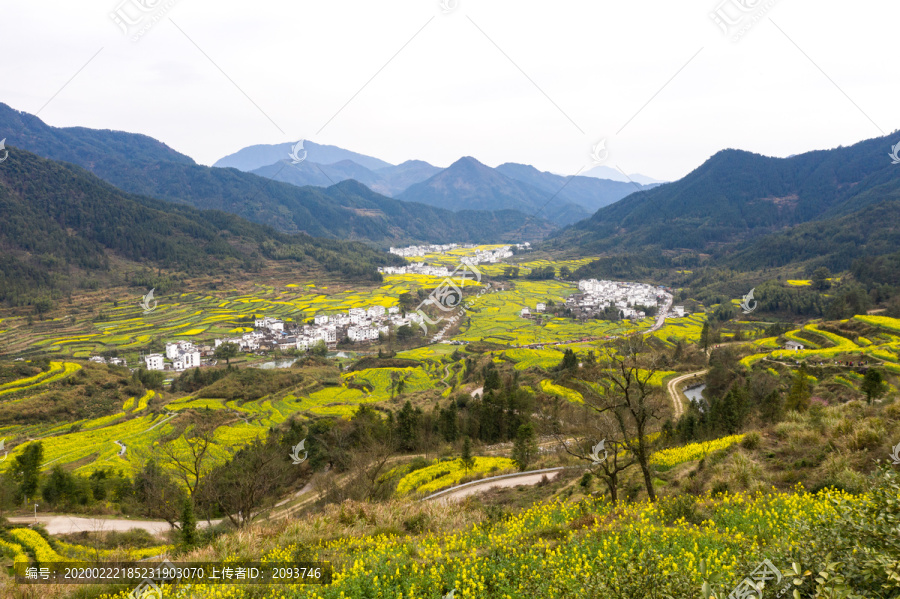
61	225
139	164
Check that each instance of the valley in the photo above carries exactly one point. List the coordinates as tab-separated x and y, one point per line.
449	300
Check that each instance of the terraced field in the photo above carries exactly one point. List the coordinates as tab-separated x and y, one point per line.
494	317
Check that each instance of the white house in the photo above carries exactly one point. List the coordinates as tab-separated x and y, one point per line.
540	307
154	362
375	312
525	313
793	346
394	310
357	315
321	319
362	333
174	350
678	311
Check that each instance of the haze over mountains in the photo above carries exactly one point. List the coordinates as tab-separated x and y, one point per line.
467	184
142	165
738	208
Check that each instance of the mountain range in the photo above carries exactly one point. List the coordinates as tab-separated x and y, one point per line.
63	227
467	184
747	211
142	165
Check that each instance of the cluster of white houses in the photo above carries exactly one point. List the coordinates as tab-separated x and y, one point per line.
480	257
358	325
417	268
596	296
420	250
181	355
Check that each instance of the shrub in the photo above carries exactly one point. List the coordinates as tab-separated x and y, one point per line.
751	440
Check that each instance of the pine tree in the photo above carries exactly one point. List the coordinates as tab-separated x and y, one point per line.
467	460
525	447
704	336
798	397
27	469
188	525
873	385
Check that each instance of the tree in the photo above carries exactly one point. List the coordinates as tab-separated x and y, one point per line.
565	272
704	335
798	396
26	469
405	332
191	464
622	388
592	437
188	525
226	351
569	361
873	385
407	302
158	494
407	426
525	448
467	460
447	424
255	474
820	278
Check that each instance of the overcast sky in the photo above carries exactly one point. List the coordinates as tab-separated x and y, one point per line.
503	81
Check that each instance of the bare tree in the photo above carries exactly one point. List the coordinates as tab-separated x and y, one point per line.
593	438
621	387
189	466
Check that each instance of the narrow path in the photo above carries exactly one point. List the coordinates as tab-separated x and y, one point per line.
122	450
458	492
446	375
674	392
69	524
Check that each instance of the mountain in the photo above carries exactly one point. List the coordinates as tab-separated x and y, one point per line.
389	181
470	185
588	192
140	165
254	157
838	243
62	226
737	196
398	178
606	172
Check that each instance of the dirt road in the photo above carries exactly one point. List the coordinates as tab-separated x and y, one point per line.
674	393
516	480
66	524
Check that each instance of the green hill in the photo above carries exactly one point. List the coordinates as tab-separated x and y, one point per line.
139	164
736	196
62	223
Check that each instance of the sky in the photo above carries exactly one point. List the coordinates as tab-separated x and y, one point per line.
656	87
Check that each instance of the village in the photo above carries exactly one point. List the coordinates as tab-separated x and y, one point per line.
598	299
358	325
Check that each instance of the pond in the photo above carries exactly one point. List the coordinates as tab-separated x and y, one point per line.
276	364
695	393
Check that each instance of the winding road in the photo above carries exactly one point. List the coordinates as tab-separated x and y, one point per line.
677	403
459	492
